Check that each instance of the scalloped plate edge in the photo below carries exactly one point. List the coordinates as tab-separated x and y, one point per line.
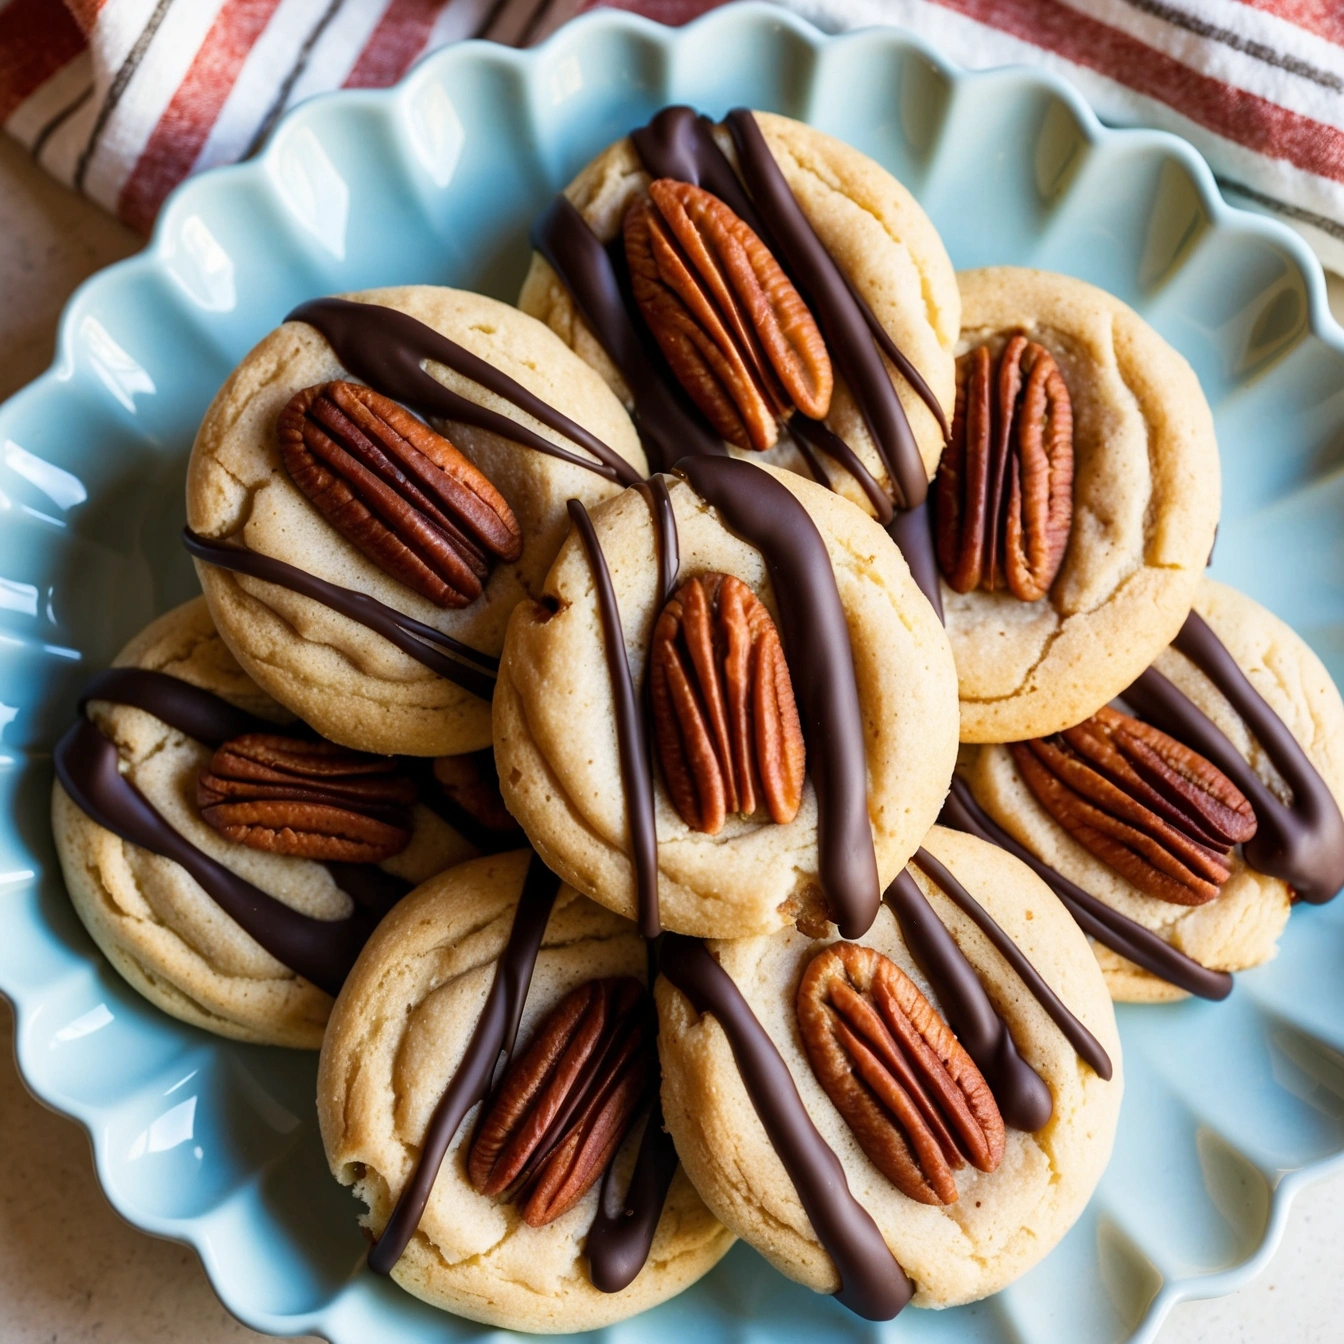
193	1232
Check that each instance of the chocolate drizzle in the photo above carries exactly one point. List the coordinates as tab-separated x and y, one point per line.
656	496
1023	1098
494	1034
428	646
816	645
1088	1048
1097	919
842	321
387	349
631	739
872	1284
87	765
622	1233
669	426
1303	843
680	144
207	717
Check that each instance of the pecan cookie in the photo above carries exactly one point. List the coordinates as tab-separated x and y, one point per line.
758	332
1075	507
963	1156
361	562
1179	813
797	691
260	852
503	1230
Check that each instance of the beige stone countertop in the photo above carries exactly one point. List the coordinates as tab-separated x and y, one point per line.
71	1272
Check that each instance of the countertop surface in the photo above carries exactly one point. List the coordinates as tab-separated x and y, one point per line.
71	1272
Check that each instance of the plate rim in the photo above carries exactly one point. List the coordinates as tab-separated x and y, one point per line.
156	253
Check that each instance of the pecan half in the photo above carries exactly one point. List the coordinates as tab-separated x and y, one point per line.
564	1105
735	331
308	798
1004	493
397	490
724	717
895	1070
1161	815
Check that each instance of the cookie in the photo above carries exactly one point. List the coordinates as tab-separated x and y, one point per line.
1257	820
400	1040
1094	438
840	658
166	927
362	566
761	1093
760	283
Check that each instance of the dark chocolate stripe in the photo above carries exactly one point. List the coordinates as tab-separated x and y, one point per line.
622	1233
846	329
679	144
198	713
669	426
816	434
424	643
494	1035
1097	919
1089	1049
1023	1098
816	646
631	739
872	1284
659	501
321	951
1301	844
211	719
912	531
387	348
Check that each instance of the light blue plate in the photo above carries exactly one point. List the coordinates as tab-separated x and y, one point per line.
1230	1108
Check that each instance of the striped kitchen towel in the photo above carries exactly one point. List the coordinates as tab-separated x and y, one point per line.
123	98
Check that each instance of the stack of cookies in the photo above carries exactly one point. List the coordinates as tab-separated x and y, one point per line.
701	751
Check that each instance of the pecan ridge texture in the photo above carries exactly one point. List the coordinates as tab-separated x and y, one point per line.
1160	814
307	798
725	721
1004	491
896	1072
397	490
734	330
565	1103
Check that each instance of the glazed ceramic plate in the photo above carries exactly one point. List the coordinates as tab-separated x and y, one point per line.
1229	1107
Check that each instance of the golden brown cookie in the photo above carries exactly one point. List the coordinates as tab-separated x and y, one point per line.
155	922
1212	905
961	1229
261	478
1137	505
398	1035
879	238
557	742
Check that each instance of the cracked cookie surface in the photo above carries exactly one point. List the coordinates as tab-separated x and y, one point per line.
152	920
398	1032
1145	506
351	684
556	742
1004	1221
